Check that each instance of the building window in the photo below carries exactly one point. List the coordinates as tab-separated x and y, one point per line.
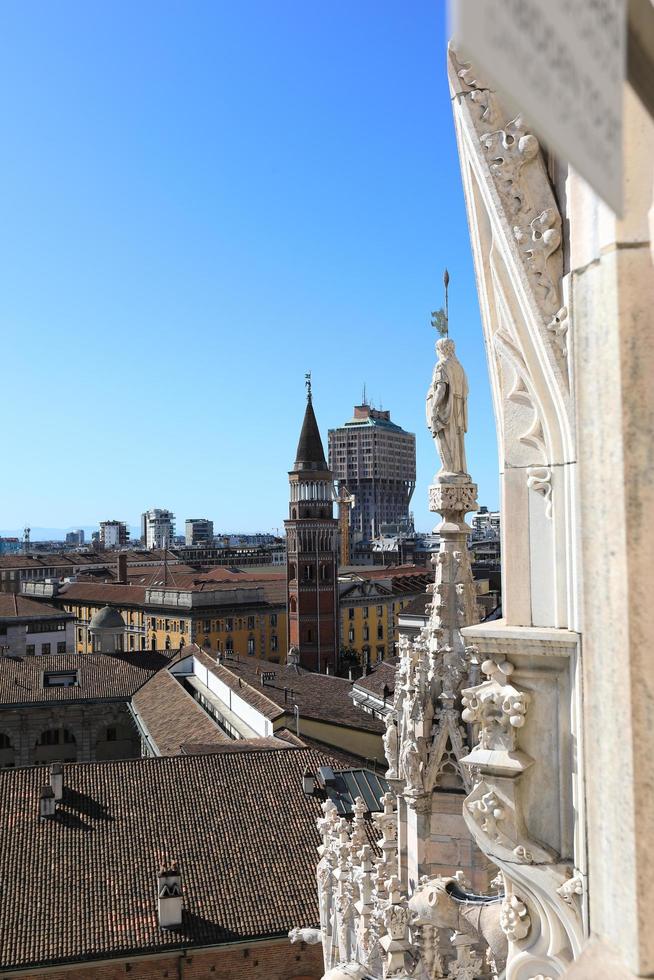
380	631
273	644
111	735
380	653
182	626
250	647
350	636
207	626
350	613
153	623
56	736
250	622
30	649
61	647
230	625
45	649
366	633
309	636
273	619
365	612
79	636
229	645
60	678
380	610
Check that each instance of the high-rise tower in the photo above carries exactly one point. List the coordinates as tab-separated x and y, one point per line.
311	552
375	460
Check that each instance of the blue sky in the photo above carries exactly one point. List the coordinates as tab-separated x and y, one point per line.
200	202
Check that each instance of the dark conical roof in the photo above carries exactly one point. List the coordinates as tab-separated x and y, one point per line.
310	455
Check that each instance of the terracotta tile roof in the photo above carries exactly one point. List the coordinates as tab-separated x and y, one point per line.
268	743
417	606
101	677
19	607
81	886
128	595
382	675
274	591
318	696
172	717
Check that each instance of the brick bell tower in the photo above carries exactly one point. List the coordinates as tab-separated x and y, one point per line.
311	553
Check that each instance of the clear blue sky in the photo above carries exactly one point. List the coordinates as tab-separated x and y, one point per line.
200	202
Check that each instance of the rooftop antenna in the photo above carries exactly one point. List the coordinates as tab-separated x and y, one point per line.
307	384
440	318
364	402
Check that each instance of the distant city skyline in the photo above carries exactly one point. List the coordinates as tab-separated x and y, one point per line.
258	192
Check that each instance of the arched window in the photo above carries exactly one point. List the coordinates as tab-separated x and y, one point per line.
291	571
294	514
153	643
167	643
5	741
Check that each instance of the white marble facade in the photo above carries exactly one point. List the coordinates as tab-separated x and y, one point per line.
533	730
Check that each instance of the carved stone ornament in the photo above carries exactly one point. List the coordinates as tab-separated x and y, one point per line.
460	498
514	919
497	707
539	479
572	890
558	327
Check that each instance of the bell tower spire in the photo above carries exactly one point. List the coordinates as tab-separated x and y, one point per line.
311	551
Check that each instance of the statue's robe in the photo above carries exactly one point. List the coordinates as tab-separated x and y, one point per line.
447	417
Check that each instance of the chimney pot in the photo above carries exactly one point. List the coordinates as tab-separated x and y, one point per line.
170	904
57	780
47	803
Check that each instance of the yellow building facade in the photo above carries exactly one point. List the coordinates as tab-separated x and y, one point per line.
242	627
370	603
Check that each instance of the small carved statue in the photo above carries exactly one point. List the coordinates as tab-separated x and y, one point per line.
447	409
411	764
391	746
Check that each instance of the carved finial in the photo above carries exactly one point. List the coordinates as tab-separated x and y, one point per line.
307	384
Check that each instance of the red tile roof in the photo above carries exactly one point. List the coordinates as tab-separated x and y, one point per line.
101	677
321	697
20	607
172	717
82	886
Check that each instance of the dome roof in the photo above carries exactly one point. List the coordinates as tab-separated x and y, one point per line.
107	619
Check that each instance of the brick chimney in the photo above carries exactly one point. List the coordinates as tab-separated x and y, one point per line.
47	803
169	896
121	571
57	780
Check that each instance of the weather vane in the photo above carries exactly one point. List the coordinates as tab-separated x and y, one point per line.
307	383
439	318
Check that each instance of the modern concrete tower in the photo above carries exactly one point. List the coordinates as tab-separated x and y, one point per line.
311	553
375	460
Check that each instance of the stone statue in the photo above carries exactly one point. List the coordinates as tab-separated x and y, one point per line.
447	409
391	746
411	764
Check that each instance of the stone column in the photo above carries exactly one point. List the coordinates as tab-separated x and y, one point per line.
612	275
